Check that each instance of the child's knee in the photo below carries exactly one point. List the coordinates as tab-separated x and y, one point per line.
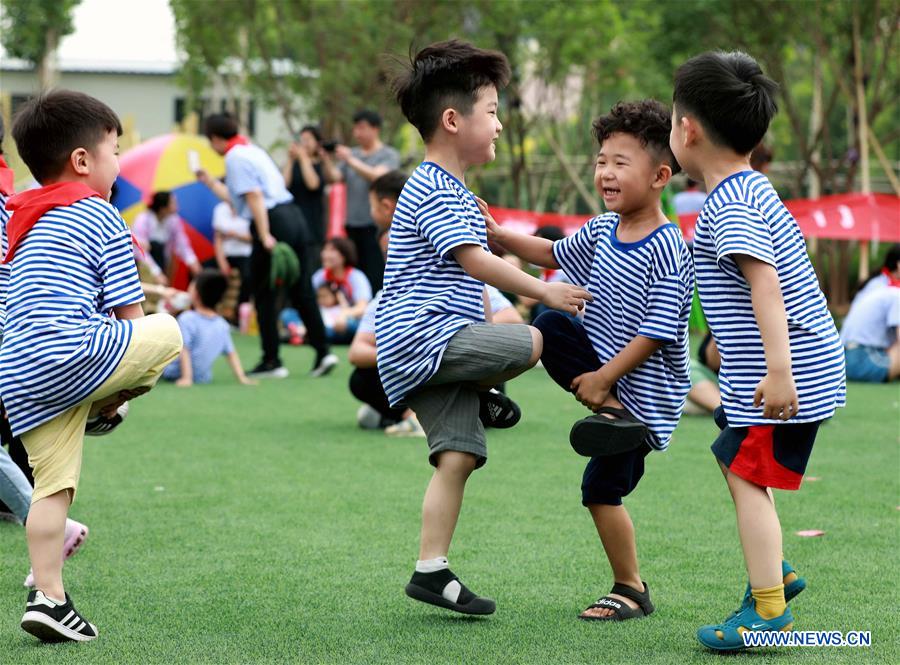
537	345
456	462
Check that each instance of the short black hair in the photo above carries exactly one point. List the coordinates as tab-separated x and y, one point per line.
648	120
222	125
345	248
892	258
729	95
211	286
550	232
159	200
443	75
389	185
369	116
52	124
314	130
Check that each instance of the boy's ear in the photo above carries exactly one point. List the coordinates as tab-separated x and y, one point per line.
663	176
450	121
691	130
79	161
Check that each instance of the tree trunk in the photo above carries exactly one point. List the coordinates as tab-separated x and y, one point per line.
47	70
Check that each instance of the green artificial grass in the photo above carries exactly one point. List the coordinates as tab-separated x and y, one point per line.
233	524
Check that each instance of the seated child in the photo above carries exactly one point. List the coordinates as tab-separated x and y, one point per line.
628	360
76	342
206	335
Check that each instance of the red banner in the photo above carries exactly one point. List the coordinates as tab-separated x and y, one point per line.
839	216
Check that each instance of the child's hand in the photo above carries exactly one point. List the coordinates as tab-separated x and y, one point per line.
494	230
248	382
778	396
565	297
184	383
591	389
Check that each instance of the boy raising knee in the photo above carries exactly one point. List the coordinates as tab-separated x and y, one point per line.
782	370
628	362
75	341
436	352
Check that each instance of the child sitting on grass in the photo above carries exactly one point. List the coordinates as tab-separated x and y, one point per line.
206	335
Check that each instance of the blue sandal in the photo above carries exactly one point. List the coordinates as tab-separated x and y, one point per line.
744	620
791	590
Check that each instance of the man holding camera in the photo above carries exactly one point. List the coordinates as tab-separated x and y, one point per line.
358	167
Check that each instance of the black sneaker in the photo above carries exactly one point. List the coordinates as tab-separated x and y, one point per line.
101	425
51	622
497	410
269	369
429	588
324	365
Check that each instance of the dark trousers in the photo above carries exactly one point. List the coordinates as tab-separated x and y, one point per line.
242	265
286	224
369	257
365	384
568	353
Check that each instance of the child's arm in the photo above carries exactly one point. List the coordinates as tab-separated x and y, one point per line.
217	187
485	267
186	380
537	251
592	388
126	312
777	391
221	259
235	362
363	353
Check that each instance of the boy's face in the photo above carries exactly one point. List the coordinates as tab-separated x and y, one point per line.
101	164
480	129
382	210
681	139
627	175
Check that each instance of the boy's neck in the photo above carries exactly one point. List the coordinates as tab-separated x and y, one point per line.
718	164
447	158
205	311
645	218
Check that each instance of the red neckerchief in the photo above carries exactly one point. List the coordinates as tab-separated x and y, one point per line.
237	139
547	274
343	283
29	206
892	281
7	179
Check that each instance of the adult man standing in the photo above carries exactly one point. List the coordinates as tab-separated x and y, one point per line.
358	168
255	187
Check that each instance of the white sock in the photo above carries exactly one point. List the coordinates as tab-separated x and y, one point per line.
432	565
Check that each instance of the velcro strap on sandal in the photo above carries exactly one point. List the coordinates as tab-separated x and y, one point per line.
642	599
621	414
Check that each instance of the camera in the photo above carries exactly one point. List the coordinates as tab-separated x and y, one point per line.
329	146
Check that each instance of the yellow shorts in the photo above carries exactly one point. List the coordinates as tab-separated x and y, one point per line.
54	448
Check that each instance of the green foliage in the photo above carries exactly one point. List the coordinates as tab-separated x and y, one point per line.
27	23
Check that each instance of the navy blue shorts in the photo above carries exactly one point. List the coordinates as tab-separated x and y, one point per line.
765	455
568	353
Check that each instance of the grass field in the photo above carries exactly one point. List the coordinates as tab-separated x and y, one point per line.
239	525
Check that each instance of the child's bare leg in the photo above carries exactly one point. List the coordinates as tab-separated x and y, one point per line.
45	531
617	535
759	530
108	405
443	500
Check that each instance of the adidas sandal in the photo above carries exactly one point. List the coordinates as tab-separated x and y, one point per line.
497	410
621	611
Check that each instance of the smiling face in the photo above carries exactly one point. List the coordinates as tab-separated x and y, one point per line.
479	130
331	258
626	173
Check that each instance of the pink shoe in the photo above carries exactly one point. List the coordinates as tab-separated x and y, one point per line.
76	534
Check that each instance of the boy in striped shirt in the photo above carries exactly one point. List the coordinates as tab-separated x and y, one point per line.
437	353
628	362
782	370
75	341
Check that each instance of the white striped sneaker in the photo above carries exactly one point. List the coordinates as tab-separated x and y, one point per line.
49	621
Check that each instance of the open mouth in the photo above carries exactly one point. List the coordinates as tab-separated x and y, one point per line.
611	191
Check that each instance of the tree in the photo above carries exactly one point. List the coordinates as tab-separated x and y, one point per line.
32	30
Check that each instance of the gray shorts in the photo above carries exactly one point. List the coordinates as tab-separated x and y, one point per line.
447	405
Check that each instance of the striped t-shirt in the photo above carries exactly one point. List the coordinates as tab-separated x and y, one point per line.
60	342
743	215
427	296
4	267
639	288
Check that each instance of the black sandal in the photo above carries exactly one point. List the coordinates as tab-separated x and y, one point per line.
621	611
597	436
497	410
428	587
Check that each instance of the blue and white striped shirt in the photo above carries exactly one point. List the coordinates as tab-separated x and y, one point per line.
60	343
743	215
427	296
639	288
4	267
